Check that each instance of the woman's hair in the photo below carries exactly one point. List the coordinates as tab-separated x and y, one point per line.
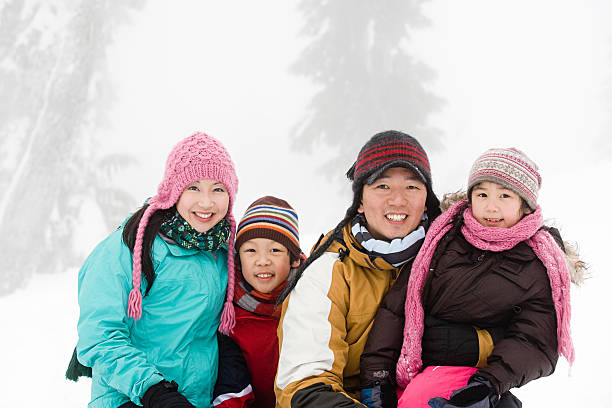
152	229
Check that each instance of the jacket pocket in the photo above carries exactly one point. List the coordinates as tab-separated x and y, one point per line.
499	290
514	272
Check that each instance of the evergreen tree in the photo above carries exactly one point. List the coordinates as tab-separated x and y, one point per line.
367	81
55	93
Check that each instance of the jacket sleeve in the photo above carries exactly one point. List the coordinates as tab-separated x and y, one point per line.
104	330
457	344
529	348
312	339
233	388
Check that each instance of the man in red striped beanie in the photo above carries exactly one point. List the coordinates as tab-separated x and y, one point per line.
327	317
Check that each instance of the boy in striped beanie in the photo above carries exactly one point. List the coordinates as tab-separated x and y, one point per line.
268	248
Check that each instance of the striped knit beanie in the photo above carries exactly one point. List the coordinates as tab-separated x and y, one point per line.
510	168
272	218
393	149
194	158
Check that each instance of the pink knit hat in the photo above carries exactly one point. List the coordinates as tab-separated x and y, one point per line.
194	158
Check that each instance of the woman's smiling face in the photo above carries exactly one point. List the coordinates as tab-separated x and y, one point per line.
203	204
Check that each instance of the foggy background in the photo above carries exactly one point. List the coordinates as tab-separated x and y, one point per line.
94	94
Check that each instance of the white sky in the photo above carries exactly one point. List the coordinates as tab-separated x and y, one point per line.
535	75
531	74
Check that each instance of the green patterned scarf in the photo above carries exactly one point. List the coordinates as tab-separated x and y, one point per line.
180	231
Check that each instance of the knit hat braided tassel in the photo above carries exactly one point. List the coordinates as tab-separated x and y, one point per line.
228	317
135	297
135	304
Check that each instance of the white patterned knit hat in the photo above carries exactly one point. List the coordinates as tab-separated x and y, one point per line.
510	168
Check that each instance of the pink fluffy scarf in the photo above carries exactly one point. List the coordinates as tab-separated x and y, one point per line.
488	239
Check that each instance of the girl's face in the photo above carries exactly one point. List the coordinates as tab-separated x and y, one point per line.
494	205
265	263
394	204
203	204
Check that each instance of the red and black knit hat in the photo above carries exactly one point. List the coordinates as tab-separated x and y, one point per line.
392	149
272	218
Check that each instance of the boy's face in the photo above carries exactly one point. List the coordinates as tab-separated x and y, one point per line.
265	263
493	205
394	204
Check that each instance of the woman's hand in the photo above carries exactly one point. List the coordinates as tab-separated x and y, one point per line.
165	394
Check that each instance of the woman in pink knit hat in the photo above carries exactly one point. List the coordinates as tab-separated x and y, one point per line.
487	261
153	294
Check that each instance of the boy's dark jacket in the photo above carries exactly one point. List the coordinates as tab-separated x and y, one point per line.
509	290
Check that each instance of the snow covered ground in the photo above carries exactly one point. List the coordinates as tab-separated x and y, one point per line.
39	332
38	336
39	322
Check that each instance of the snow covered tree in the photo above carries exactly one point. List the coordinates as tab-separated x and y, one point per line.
367	81
55	94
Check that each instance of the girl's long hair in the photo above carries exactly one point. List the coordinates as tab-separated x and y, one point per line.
129	238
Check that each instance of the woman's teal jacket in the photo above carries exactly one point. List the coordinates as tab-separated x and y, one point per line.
175	339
